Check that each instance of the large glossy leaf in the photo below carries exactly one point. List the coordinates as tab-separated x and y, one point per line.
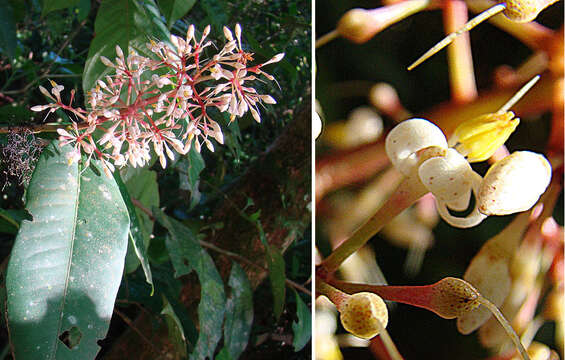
175	9
239	314
67	263
8	38
127	23
187	254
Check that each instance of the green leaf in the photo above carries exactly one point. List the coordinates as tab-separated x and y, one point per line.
224	355
83	9
52	5
10	220
302	329
216	13
67	263
141	184
267	54
20	9
189	175
175	9
127	23
275	261
187	254
8	38
139	234
255	216
176	332
15	114
239	313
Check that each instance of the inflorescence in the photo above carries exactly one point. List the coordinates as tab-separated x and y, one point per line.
165	111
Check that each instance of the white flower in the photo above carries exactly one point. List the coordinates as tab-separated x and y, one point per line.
514	183
511	185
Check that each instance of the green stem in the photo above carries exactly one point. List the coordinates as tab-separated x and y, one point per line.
509	330
409	190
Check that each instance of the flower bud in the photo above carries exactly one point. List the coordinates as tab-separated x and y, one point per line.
514	183
408	137
479	138
360	25
537	351
522	11
553	309
488	272
364	314
447	177
453	297
362	126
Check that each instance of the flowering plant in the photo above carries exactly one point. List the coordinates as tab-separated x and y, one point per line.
164	111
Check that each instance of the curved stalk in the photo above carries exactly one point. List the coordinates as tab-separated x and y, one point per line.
509	330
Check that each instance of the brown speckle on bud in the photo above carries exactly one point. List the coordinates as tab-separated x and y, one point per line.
364	315
454	297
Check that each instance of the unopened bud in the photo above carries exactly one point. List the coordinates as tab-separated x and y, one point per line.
514	183
364	314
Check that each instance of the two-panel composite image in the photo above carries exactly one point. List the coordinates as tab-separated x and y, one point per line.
282	179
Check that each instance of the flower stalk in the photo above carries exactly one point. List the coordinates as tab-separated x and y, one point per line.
409	190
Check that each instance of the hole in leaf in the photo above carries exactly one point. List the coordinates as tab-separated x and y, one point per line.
71	338
27	215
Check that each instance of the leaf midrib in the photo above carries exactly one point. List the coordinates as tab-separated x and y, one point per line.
69	265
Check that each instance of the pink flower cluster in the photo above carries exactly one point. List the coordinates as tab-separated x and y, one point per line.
136	111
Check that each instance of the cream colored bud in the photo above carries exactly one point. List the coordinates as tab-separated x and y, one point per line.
525	10
447	177
119	51
190	33
363	125
364	314
317	125
39	107
238	31
488	272
408	137
206	31
514	183
228	34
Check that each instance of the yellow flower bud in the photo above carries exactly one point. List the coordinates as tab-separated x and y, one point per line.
364	314
479	138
